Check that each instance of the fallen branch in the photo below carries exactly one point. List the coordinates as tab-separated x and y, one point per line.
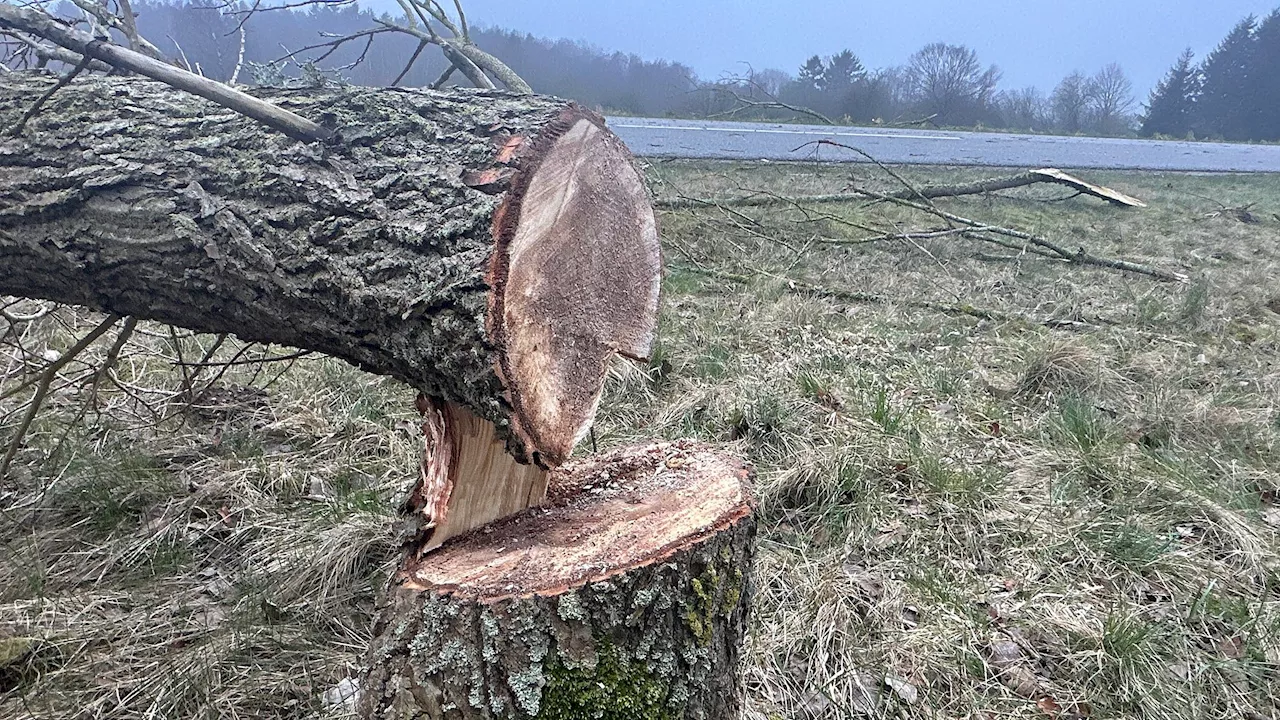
800	286
1051	248
46	379
745	104
1031	177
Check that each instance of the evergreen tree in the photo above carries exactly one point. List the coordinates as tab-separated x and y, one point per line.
1171	107
1225	106
812	73
1264	79
843	71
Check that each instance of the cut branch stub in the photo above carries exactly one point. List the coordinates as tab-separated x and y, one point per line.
625	597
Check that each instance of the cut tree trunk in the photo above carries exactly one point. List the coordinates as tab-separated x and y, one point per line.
492	250
495	252
624	598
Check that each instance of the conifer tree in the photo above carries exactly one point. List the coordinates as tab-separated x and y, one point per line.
1171	107
1225	108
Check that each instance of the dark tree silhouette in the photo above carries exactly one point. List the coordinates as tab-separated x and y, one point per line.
1110	98
1264	79
1171	107
812	74
1069	103
1224	106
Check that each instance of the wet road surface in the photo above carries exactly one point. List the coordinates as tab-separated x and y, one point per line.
761	141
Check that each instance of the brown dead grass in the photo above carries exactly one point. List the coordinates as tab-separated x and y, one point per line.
1074	512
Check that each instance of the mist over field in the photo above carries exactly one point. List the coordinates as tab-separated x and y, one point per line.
1033	41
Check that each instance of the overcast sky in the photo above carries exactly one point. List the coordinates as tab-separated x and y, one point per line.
1035	42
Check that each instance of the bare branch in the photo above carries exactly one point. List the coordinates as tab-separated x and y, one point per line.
235	74
444	78
746	104
1081	256
462	18
1031	177
16	130
46	379
412	59
43	25
128	27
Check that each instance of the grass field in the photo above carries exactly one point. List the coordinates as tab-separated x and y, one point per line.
992	485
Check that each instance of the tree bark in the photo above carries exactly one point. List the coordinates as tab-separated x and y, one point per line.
491	249
625	598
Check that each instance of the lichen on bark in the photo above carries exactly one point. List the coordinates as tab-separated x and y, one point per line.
621	648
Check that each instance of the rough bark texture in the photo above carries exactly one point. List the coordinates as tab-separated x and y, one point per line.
625	599
379	247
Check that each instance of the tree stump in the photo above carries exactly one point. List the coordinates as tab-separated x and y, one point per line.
624	598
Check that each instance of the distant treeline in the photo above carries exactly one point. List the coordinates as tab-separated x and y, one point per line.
1233	94
208	39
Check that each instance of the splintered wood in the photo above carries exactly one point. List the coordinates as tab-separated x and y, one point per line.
467	477
1099	191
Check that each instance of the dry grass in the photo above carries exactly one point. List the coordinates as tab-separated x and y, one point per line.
1073	513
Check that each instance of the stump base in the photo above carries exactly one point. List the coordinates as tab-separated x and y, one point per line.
625	597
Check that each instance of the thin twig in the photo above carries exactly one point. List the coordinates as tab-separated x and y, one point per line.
35	107
444	78
422	44
46	378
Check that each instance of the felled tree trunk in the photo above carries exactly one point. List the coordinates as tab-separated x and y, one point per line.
495	252
624	598
492	250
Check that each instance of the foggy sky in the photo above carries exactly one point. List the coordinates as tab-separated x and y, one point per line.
1035	42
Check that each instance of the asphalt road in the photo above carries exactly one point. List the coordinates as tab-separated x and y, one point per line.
651	137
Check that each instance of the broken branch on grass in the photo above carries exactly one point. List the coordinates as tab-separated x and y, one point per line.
800	286
977	230
1031	177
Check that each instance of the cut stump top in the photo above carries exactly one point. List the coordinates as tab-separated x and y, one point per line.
605	515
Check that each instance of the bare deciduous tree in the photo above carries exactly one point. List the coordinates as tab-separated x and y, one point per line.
1109	96
1069	102
949	81
1025	109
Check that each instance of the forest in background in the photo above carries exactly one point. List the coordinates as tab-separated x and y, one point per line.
1233	94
